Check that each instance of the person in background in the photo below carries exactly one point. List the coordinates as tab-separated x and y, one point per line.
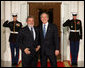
15	27
75	35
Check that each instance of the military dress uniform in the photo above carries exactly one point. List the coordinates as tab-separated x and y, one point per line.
74	37
14	26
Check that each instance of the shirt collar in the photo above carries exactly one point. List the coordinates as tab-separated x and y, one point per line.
46	24
29	27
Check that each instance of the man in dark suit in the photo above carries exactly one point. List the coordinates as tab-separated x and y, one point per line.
75	35
48	41
14	26
28	42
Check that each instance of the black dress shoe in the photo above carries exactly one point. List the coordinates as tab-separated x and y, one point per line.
74	64
14	64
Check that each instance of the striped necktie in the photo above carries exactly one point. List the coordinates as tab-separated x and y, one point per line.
44	30
32	32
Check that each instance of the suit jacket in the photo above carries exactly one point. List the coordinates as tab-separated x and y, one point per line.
13	37
51	42
25	40
71	24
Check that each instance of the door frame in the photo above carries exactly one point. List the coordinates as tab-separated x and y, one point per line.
62	20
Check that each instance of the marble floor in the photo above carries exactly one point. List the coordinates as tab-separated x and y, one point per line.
8	64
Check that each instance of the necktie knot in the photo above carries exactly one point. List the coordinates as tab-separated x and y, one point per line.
31	28
44	25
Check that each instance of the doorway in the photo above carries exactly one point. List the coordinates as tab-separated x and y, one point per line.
54	11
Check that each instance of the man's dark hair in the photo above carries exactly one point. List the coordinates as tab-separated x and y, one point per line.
29	17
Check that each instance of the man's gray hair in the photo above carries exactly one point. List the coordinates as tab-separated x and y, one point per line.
44	13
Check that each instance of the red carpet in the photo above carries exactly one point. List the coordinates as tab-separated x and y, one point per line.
59	64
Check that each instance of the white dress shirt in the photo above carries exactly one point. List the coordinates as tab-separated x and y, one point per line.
46	26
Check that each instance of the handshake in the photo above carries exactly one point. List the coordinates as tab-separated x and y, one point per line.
27	50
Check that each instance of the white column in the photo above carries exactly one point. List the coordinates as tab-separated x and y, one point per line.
23	13
81	17
62	15
7	54
64	33
3	36
20	7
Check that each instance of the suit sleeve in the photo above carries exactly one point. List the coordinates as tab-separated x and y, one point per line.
80	30
20	38
6	24
38	36
67	23
56	38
